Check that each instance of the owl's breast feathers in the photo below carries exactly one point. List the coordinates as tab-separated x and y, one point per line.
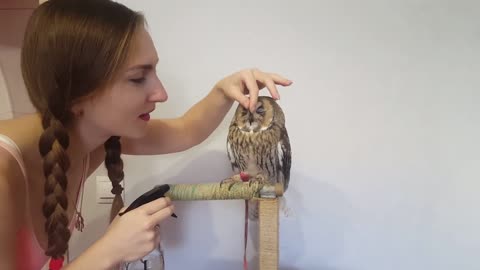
266	152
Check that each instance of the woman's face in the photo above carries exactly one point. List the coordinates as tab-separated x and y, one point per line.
123	108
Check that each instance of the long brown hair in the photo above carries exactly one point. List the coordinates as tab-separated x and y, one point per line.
71	49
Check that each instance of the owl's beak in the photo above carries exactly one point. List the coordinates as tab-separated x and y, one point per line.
250	117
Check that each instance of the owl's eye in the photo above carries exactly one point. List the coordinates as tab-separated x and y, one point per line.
260	110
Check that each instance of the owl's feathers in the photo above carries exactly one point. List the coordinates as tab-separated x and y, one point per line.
258	142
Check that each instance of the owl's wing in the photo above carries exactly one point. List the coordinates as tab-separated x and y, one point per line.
231	157
285	157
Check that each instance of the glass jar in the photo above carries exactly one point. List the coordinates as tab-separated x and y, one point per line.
152	261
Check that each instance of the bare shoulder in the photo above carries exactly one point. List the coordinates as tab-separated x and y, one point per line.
12	186
22	132
10	171
20	127
11	178
11	207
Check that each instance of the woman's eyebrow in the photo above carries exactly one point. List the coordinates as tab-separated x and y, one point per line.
143	66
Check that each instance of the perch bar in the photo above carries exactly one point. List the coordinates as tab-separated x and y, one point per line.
226	191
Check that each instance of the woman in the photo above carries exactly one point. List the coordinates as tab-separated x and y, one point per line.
89	68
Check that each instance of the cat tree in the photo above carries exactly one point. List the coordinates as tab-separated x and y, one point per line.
266	194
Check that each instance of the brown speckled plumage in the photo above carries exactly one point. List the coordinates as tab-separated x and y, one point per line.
259	143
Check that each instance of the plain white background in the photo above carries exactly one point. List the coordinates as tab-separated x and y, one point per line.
383	120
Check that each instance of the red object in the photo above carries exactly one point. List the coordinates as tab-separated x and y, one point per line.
56	264
244	176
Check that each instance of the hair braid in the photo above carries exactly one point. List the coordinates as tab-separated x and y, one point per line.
65	60
53	144
114	165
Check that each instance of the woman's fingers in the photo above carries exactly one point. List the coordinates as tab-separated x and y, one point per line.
270	80
251	83
238	95
156	205
278	79
270	84
162	214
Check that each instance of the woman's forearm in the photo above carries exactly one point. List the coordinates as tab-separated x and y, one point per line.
205	116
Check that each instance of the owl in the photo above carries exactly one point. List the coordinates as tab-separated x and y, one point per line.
258	143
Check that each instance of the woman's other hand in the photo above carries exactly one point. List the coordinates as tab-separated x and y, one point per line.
135	234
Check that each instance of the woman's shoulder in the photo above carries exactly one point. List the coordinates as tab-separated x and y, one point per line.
18	121
18	141
11	176
23	130
10	169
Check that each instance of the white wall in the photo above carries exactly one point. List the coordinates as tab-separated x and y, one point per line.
383	120
14	100
5	105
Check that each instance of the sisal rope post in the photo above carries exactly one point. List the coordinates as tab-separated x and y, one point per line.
268	234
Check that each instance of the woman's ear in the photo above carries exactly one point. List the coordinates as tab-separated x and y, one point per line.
77	109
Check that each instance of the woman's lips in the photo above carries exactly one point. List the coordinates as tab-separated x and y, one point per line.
145	116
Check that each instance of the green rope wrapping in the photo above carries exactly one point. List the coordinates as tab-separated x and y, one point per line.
224	191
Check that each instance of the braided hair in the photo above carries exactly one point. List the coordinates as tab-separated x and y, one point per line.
71	49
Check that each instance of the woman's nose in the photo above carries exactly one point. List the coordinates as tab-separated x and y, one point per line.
158	94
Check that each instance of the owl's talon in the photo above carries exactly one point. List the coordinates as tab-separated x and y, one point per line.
230	182
260	178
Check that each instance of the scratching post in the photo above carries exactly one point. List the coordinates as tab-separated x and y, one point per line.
266	194
268	234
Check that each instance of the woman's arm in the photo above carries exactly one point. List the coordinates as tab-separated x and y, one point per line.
174	135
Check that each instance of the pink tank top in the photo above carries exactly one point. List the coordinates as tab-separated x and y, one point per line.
29	254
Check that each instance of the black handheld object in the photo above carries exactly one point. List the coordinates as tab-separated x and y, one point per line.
151	195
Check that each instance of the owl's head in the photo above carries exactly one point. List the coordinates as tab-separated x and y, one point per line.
266	114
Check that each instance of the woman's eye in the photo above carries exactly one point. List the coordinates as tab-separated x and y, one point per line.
138	80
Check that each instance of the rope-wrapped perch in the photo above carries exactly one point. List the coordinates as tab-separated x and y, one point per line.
223	191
